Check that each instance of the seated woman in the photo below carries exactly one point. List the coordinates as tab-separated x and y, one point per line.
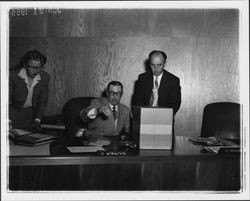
28	91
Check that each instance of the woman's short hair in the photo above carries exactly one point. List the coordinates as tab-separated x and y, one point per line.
33	55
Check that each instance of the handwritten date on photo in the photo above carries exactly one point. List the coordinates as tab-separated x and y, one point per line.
34	11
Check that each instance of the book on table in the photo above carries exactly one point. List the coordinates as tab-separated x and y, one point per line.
29	138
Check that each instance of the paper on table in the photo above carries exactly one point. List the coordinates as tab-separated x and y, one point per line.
84	149
20	131
13	133
216	149
99	143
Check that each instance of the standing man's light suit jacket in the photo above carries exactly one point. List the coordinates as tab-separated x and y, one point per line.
106	125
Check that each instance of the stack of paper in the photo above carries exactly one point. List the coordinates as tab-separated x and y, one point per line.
223	149
216	145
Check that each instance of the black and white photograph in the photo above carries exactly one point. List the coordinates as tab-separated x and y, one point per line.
131	100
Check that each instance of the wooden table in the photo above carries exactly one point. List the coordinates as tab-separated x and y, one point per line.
183	168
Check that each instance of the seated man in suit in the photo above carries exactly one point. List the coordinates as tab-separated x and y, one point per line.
28	91
157	88
107	114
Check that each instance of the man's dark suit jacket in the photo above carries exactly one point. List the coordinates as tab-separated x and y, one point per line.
18	94
169	94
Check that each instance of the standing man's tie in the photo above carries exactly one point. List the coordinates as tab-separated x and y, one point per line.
154	96
156	82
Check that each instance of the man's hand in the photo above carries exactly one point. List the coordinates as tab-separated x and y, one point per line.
36	125
105	110
102	110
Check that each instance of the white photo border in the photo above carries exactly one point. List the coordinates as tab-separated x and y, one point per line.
243	7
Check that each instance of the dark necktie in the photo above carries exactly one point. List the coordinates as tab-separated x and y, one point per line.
114	112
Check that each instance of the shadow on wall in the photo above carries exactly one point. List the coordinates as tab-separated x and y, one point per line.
104	94
146	65
146	69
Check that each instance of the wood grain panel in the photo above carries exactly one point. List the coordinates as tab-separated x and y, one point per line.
110	23
57	73
27	23
25	178
88	48
82	23
169	176
209	78
207	174
110	177
73	22
221	23
141	22
83	70
177	23
206	71
210	172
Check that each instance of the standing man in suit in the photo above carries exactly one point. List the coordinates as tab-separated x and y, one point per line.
107	114
157	88
28	91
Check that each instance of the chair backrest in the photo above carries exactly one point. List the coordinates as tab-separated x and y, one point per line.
221	119
71	111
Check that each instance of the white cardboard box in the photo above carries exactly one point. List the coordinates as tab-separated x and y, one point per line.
153	127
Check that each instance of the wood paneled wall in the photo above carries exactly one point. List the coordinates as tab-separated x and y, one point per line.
88	48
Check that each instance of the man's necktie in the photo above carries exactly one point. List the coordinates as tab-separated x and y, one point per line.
152	98
114	112
156	82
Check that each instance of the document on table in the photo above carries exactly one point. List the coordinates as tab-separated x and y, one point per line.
18	132
85	149
99	143
223	149
21	131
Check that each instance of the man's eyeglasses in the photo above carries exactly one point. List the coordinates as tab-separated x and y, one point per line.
112	93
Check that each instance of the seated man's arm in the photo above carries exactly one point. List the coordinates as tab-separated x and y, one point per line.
96	107
90	112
